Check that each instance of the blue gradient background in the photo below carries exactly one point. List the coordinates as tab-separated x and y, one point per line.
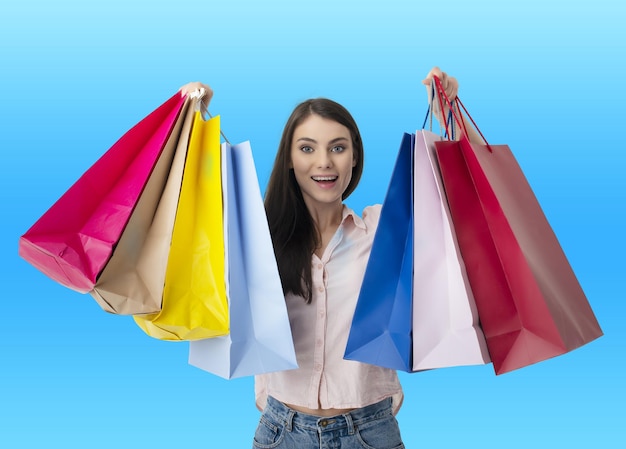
545	77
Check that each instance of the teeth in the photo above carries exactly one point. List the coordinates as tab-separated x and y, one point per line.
324	178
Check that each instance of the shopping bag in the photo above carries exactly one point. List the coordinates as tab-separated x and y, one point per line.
74	239
446	330
530	303
260	339
132	281
194	294
380	333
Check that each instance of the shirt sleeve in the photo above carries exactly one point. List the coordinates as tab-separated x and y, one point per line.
371	216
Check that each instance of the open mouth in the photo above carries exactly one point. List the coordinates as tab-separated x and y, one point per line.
324	179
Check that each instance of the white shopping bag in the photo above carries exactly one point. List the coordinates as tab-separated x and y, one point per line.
446	330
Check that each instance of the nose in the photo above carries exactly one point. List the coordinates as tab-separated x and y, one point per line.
324	159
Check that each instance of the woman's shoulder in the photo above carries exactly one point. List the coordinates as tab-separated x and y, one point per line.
369	217
372	212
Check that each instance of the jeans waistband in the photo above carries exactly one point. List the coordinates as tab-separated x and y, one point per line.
293	418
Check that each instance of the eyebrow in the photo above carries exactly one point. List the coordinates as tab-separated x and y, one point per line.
335	140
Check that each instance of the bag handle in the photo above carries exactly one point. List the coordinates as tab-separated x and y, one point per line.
430	115
203	107
456	112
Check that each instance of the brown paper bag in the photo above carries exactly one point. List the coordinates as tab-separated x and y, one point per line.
132	281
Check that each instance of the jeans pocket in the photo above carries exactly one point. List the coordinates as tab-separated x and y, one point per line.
268	434
382	433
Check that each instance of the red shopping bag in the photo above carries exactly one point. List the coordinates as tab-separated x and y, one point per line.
530	303
73	240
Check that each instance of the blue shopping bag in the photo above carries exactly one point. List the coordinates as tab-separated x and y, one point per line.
381	327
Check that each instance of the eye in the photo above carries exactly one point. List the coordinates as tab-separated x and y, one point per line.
306	149
337	149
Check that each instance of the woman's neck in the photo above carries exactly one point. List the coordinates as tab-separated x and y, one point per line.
327	217
327	220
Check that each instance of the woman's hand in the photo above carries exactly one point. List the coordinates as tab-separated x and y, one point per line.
450	86
449	83
196	86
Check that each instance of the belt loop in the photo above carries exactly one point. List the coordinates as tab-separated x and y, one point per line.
350	424
289	423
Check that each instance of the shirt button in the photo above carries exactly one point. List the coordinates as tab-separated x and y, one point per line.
320	266
319	343
318	367
321	289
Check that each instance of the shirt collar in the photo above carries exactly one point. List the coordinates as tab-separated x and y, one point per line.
358	221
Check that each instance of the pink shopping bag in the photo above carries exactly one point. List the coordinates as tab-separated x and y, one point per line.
72	242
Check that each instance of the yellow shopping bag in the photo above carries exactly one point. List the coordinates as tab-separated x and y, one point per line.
194	297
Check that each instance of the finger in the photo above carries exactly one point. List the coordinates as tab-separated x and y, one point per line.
451	87
198	90
435	71
193	87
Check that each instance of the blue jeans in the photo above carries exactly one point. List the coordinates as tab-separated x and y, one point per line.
370	427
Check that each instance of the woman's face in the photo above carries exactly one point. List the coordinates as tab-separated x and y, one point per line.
322	158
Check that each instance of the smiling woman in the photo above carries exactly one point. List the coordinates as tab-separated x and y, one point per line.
322	248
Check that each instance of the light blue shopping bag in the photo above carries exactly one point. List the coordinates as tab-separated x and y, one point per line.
260	339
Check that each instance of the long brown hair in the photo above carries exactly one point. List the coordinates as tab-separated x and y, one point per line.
293	230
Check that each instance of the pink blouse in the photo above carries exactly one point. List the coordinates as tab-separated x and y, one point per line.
320	330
